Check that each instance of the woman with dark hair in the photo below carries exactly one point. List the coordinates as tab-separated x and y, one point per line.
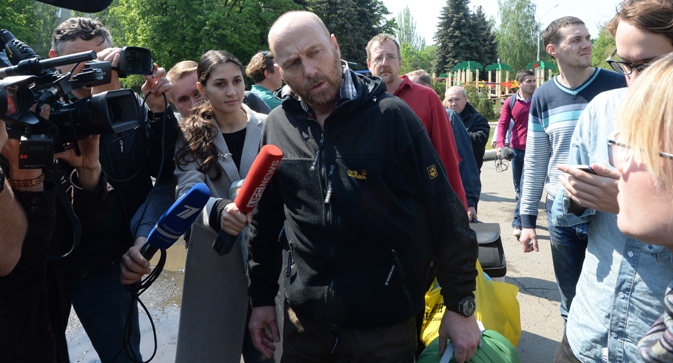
218	144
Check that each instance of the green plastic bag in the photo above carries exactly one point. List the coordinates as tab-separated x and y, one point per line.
495	348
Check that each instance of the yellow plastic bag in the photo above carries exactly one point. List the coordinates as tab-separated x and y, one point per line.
497	309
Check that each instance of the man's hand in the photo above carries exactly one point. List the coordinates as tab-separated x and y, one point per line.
134	265
463	332
87	164
111	55
471	214
233	220
157	85
10	151
264	330
497	152
528	240
595	191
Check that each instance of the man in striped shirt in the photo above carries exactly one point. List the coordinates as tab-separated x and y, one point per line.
554	111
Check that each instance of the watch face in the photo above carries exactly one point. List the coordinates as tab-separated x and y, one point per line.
466	306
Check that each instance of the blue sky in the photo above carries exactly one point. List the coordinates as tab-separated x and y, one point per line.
592	12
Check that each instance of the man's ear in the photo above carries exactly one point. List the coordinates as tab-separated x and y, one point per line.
201	88
336	45
551	50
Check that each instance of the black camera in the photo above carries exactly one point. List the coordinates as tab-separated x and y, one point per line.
30	80
135	60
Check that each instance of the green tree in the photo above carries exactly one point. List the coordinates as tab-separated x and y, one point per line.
354	23
602	47
484	38
177	30
453	36
18	16
413	59
406	31
518	33
47	19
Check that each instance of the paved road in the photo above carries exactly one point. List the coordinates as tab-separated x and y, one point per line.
533	273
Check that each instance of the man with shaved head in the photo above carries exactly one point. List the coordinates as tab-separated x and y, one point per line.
362	205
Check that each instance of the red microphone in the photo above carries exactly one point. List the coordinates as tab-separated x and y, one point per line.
261	171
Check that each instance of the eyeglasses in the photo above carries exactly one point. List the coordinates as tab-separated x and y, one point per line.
626	68
618	151
390	58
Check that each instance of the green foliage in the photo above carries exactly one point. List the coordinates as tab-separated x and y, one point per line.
413	59
440	88
406	32
354	23
18	17
483	39
176	30
518	33
463	36
453	37
480	101
602	48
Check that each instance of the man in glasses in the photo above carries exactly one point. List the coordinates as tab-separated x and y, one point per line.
619	291
266	74
554	111
384	60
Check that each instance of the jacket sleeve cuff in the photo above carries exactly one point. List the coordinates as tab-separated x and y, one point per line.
91	199
528	221
216	214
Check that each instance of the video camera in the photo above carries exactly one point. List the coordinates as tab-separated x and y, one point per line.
27	80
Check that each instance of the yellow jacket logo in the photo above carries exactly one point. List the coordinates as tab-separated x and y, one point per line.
432	171
362	175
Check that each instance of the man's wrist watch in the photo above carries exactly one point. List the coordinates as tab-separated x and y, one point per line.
464	306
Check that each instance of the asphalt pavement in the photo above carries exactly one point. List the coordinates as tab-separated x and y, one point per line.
538	295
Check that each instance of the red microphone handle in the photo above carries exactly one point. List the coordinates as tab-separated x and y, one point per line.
262	169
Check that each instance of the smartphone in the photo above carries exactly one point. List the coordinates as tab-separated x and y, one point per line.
585	168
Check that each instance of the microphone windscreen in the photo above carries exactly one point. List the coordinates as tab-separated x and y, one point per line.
88	6
179	217
262	169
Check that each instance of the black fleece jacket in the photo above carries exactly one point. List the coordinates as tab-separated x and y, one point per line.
365	205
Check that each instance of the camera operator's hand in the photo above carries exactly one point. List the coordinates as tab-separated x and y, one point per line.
10	151
157	85
111	55
87	165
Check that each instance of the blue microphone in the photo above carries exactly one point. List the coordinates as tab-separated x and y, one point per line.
176	220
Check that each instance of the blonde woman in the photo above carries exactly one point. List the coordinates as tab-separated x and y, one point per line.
642	151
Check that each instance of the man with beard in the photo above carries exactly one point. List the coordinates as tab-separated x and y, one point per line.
554	111
384	60
363	204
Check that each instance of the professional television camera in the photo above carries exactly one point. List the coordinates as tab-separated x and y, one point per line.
30	80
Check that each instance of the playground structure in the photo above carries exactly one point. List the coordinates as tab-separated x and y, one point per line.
497	88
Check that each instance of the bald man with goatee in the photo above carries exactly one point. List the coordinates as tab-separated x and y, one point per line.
362	205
